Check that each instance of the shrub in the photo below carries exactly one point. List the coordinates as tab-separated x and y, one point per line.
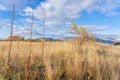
117	43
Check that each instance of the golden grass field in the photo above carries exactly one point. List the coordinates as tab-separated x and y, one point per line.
66	60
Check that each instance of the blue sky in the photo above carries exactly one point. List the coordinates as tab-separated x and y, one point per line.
100	17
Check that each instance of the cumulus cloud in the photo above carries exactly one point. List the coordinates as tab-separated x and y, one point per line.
28	11
58	10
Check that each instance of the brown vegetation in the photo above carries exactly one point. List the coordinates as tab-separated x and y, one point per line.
62	61
15	38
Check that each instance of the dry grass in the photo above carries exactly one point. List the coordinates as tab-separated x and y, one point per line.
62	61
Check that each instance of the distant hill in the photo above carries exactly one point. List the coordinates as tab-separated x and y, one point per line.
48	39
105	40
101	40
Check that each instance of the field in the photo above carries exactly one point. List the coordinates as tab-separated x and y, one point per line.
67	60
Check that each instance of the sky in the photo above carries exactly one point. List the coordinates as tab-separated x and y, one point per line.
100	17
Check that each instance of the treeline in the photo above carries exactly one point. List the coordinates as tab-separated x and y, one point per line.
117	43
21	38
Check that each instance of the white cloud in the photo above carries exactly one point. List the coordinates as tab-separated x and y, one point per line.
5	24
28	11
58	10
28	20
2	8
107	7
107	35
95	28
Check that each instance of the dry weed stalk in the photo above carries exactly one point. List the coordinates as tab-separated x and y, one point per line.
30	45
16	65
11	35
8	72
17	52
43	36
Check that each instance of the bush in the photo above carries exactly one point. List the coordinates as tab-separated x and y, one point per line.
117	43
